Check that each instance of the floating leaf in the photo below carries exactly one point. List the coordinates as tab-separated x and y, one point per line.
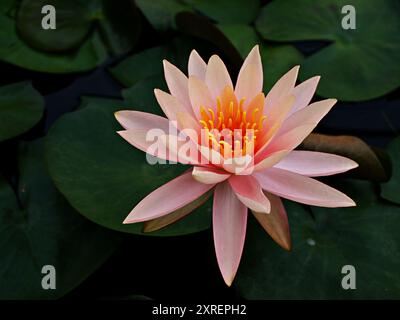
103	176
372	162
242	36
225	11
21	107
391	189
39	228
161	13
365	237
359	64
73	24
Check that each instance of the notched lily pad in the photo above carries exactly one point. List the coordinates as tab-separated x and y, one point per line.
359	64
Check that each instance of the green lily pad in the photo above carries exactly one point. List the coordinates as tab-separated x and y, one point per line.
21	107
366	237
73	23
391	189
39	228
161	13
148	63
81	41
227	11
103	177
358	64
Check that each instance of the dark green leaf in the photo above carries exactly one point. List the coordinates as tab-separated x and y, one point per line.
73	23
40	228
365	237
359	64
21	107
103	176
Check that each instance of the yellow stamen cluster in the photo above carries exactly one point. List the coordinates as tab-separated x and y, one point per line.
230	128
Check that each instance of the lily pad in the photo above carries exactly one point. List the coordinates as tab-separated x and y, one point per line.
21	107
39	228
73	23
358	64
103	177
226	11
161	13
391	189
365	237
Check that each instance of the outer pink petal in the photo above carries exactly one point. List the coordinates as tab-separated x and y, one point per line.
169	104
282	88
271	160
168	198
229	227
304	93
199	95
217	76
196	66
177	84
250	79
249	191
276	222
302	189
209	175
141	120
314	164
139	139
312	114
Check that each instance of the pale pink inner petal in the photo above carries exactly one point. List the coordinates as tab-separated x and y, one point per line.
200	96
229	228
168	198
196	66
249	191
283	87
249	83
209	175
169	104
301	189
217	76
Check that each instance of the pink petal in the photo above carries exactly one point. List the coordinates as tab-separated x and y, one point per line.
276	223
209	175
181	149
250	79
304	93
271	160
169	104
315	164
312	114
282	88
249	191
200	96
140	139
196	66
168	198
229	228
141	120
302	189
242	165
217	76
177	83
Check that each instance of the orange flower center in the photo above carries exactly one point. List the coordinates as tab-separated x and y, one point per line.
230	127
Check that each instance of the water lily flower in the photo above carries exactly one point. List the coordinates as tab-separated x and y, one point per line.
253	169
